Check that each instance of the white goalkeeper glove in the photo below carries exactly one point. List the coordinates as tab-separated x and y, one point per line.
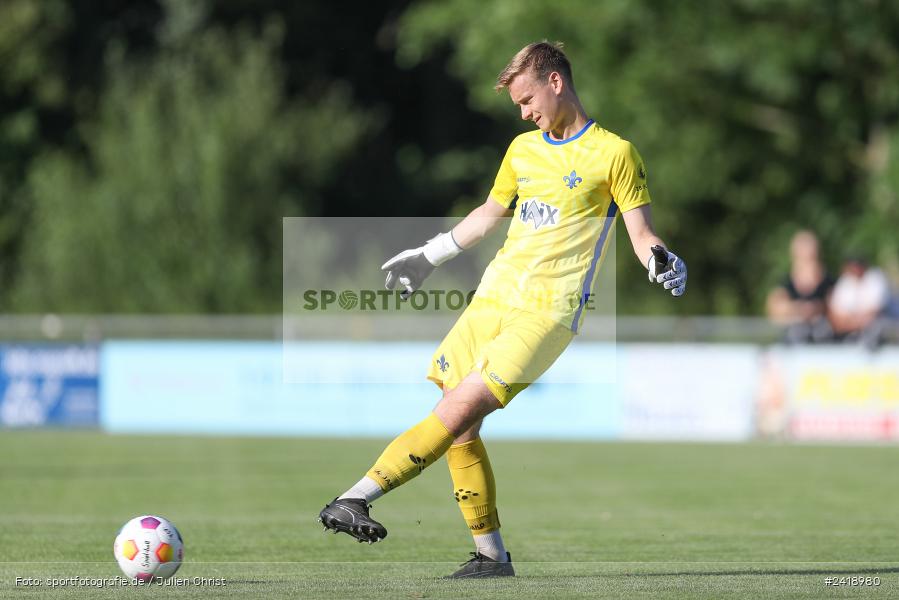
673	277
411	267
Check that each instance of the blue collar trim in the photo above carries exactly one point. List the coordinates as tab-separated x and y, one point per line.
549	140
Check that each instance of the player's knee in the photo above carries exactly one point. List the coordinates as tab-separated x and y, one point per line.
469	434
480	400
464	406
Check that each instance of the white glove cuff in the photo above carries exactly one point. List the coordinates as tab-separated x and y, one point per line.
441	248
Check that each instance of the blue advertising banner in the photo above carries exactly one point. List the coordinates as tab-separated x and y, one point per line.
594	391
49	384
239	388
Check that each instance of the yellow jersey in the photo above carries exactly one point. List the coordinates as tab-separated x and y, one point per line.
566	195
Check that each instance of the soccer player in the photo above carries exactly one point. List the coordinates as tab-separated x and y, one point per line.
564	185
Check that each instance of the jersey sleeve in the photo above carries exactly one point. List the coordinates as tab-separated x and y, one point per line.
505	187
627	179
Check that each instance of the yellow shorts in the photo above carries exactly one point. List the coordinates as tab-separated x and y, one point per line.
510	348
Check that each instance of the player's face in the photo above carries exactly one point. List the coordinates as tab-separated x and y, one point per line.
538	100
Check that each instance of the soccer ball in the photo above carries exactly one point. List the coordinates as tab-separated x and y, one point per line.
148	548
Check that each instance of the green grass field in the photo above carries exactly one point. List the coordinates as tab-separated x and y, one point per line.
581	520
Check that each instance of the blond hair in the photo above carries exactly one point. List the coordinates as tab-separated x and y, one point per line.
541	58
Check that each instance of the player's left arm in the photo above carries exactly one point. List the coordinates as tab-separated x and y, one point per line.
673	276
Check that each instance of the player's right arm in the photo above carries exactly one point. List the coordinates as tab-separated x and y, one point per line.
411	267
480	222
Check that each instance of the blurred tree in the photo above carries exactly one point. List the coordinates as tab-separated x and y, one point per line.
162	141
416	159
97	56
755	118
176	203
49	53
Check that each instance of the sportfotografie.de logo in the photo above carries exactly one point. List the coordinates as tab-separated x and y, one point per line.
420	300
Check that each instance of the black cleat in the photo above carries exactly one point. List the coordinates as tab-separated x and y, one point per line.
484	566
350	515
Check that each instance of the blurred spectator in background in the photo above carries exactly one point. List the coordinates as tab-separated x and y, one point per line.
799	303
858	305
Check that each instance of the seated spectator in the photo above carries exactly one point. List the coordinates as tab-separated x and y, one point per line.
799	303
858	305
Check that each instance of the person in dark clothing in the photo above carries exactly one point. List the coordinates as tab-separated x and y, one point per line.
800	302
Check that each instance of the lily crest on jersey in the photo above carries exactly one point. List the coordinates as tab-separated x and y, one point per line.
540	213
572	180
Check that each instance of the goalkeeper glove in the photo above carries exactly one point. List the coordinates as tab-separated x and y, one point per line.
672	277
411	267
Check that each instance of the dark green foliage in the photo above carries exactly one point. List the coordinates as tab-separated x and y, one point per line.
149	149
755	118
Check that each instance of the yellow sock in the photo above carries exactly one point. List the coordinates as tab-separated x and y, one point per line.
409	454
474	486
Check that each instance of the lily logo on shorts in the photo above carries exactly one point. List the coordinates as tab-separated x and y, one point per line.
540	213
442	363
